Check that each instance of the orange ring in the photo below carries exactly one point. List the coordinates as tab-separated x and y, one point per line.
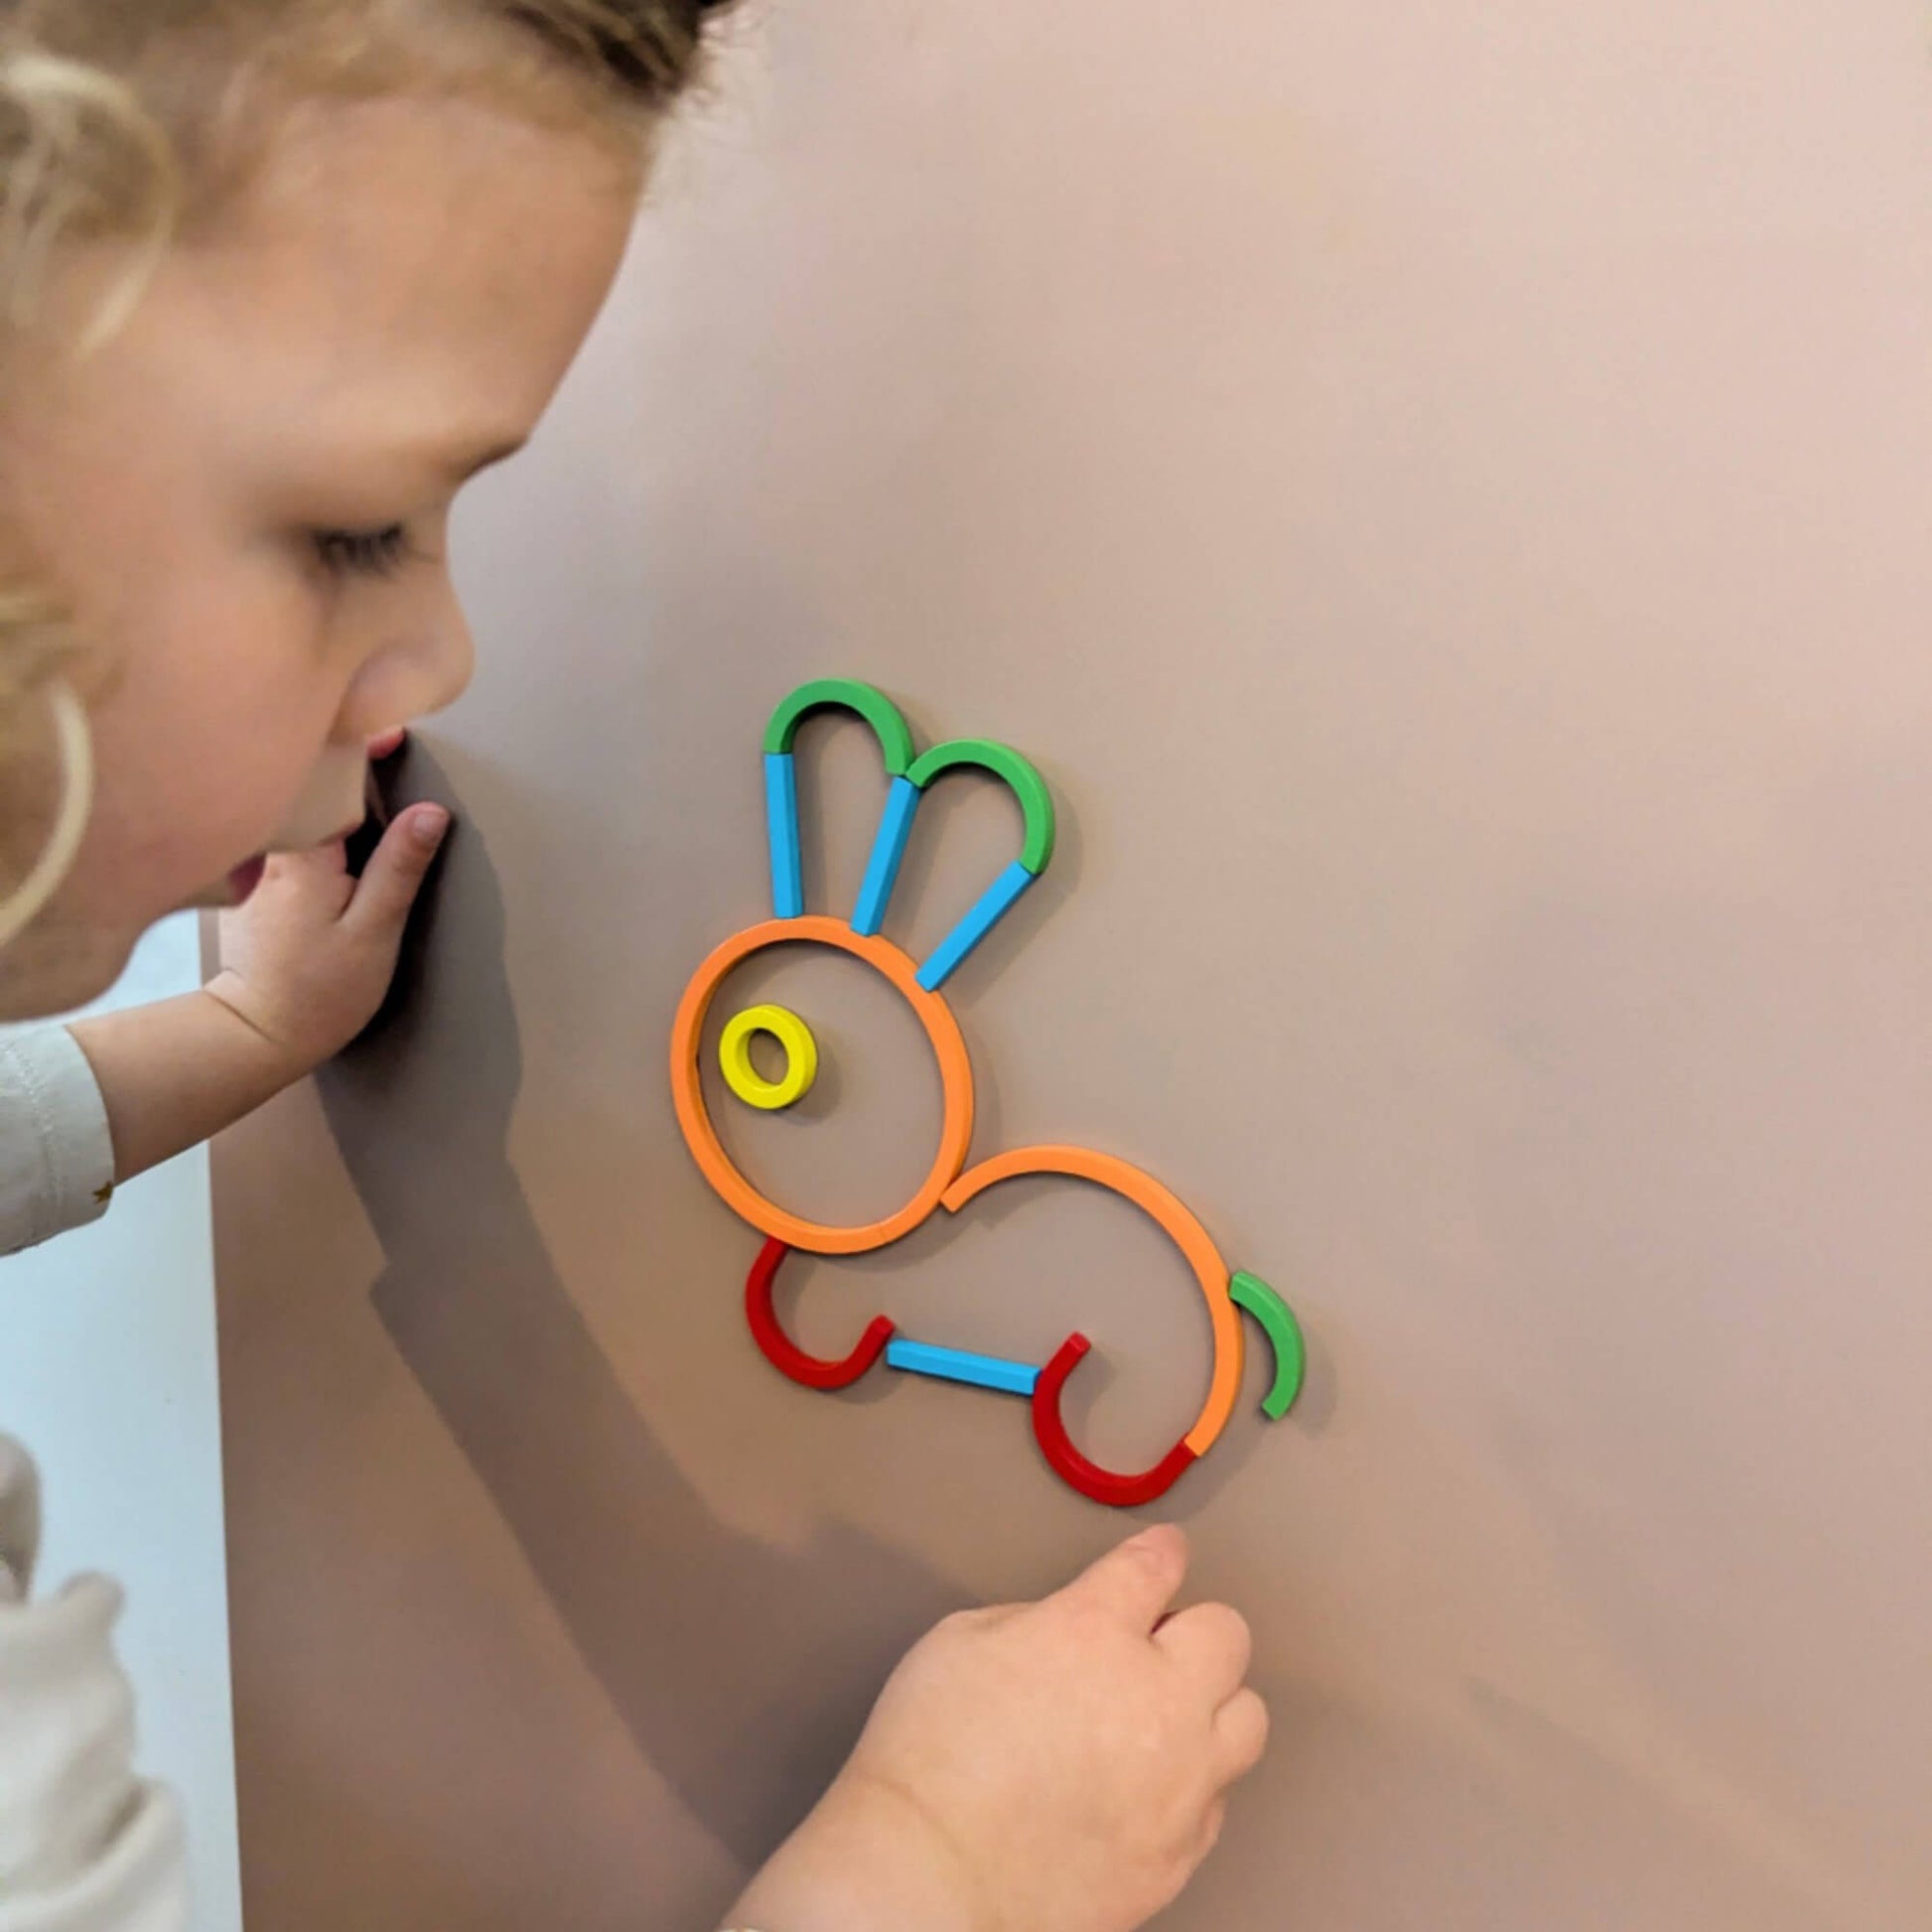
1181	1227
694	1118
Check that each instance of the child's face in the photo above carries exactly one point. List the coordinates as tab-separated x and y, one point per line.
245	495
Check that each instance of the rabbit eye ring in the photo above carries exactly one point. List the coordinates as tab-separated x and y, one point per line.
794	1038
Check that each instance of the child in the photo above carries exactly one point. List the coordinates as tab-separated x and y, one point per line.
275	280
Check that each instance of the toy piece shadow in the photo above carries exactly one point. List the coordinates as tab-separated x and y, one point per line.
742	1673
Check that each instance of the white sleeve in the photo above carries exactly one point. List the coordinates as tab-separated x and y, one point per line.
84	1844
57	1159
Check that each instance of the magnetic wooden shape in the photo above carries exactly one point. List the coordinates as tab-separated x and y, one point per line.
959	1365
783	1352
800	1050
701	1136
895	736
1035	801
1284	1334
782	834
888	854
1088	1477
999	899
1180	1225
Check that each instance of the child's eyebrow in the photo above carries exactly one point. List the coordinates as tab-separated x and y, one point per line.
428	455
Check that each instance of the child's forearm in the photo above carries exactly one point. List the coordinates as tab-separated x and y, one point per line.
175	1072
862	1863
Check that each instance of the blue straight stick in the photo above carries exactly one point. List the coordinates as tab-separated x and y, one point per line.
999	898
957	1366
888	851
781	824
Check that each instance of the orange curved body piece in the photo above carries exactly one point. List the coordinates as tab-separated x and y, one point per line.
948	1049
1181	1226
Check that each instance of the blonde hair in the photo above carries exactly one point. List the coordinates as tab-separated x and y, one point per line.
121	120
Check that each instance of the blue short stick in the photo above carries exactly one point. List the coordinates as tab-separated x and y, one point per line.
957	1366
999	898
887	850
781	824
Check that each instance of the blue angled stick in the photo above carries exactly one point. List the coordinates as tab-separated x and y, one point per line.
957	1366
781	824
1001	896
887	852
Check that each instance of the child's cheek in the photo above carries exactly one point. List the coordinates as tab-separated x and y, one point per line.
180	804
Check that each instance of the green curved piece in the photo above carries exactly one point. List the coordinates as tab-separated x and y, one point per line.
845	694
1284	1334
1003	763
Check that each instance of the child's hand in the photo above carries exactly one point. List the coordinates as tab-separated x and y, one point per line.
308	957
1058	1766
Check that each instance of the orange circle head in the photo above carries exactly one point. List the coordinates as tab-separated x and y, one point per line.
701	1135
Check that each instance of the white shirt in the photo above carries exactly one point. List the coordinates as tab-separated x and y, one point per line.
84	1844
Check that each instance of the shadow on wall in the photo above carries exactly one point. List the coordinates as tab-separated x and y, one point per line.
742	1673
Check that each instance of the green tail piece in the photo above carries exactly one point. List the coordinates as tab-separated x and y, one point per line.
1284	1334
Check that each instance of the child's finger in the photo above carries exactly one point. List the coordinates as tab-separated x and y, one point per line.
1240	1734
321	860
316	879
396	870
1212	1644
1135	1582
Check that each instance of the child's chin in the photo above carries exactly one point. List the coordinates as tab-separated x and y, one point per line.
52	968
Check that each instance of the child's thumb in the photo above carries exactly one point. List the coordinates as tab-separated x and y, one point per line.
396	870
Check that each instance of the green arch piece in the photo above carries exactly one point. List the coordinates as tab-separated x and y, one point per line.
845	694
1003	763
1284	1334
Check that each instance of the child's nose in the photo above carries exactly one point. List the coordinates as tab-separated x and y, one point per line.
448	657
414	677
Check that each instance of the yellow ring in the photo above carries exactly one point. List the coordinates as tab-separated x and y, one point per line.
745	1080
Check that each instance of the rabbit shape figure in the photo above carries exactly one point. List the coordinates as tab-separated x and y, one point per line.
949	1183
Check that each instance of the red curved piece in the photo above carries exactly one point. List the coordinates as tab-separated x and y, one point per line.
1102	1485
783	1352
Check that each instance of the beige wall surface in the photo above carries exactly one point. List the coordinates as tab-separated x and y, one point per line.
1441	492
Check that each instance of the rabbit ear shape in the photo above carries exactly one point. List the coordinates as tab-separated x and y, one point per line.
1036	802
782	777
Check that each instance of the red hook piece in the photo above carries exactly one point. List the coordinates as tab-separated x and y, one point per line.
783	1352
1102	1485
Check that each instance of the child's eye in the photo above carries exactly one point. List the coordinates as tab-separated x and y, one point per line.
363	553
